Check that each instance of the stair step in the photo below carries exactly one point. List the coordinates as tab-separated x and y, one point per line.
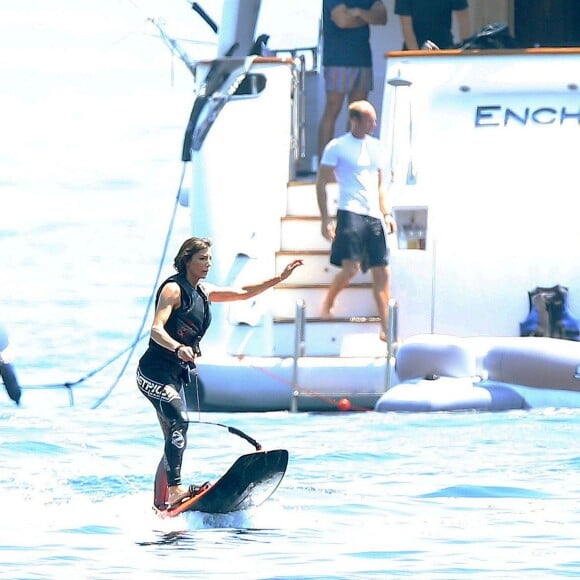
337	337
334	320
355	301
302	232
317	268
301	199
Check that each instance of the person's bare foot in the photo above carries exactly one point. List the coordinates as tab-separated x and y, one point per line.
326	312
176	494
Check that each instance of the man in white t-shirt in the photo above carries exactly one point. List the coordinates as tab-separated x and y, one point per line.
356	161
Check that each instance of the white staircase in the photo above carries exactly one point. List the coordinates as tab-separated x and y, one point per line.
355	329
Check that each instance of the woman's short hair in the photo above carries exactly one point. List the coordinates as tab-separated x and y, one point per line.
190	247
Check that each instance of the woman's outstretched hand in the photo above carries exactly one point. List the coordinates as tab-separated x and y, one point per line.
290	268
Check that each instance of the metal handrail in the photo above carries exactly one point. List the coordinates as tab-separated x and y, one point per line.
392	338
299	348
298	125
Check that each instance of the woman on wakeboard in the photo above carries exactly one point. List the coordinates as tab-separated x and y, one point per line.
182	316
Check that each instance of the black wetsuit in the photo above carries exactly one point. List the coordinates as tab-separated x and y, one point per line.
161	376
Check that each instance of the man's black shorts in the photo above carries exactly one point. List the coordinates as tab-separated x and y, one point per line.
360	238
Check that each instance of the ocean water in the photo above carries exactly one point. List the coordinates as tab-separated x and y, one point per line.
366	495
93	110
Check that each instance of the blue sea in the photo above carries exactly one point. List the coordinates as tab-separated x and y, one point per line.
93	109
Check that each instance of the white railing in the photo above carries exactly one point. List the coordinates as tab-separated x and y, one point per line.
300	347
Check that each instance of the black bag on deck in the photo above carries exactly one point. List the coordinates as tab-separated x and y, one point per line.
495	35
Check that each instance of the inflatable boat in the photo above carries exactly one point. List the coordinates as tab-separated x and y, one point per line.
448	373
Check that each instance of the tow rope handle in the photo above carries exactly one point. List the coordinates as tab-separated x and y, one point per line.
234	431
244	436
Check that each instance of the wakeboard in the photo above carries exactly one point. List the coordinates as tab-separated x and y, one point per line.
249	482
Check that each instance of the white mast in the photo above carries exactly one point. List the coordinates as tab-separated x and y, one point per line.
238	24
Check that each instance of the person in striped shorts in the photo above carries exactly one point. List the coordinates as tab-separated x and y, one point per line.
346	57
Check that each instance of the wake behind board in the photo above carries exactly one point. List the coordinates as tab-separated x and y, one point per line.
249	482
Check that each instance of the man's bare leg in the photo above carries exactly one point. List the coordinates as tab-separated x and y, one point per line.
382	294
327	124
341	280
357	95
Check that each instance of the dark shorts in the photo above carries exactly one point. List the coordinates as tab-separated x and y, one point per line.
360	238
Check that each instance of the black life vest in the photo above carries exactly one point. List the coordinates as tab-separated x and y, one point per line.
188	323
549	314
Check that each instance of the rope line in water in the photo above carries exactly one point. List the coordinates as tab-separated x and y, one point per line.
102	399
141	334
70	385
302	390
